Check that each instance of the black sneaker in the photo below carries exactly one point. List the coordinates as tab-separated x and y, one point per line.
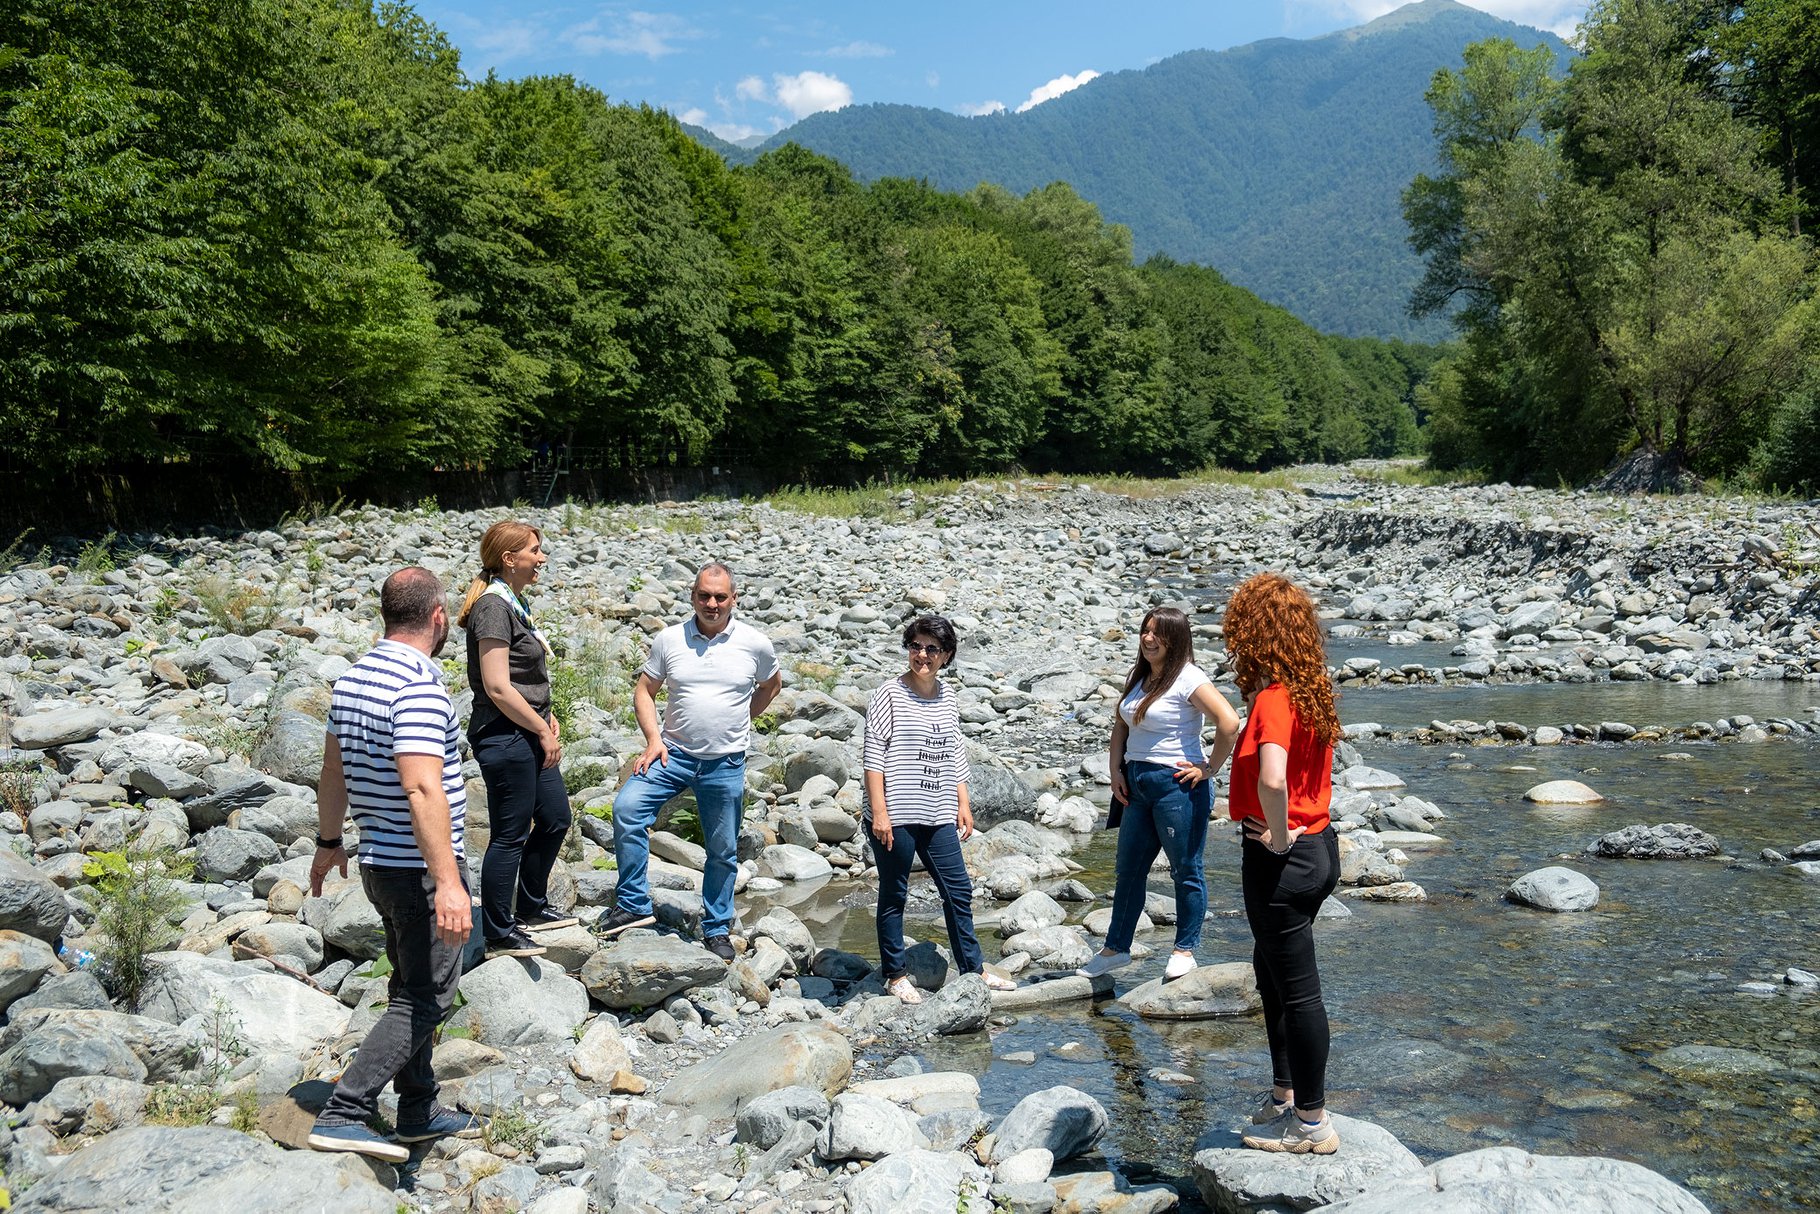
720	946
545	921
515	945
616	921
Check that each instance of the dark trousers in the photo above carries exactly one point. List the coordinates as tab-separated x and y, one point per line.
419	995
940	848
1282	894
528	808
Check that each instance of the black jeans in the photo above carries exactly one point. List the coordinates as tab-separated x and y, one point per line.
528	808
940	848
1282	894
425	969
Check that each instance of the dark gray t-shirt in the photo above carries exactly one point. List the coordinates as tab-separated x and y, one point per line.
493	619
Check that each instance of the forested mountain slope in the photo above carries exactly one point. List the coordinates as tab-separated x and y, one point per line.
1279	163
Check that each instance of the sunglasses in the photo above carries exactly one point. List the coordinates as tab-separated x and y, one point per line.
927	651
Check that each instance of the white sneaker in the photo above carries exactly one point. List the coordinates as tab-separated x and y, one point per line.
1104	963
1179	965
1287	1135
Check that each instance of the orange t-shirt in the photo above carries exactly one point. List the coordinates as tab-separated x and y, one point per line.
1310	776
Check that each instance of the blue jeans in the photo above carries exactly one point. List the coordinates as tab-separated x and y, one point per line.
528	809
940	848
1164	815
719	785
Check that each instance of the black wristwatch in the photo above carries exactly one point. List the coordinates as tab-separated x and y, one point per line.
323	844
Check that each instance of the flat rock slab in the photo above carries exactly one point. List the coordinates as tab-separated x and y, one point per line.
1555	889
204	1170
1714	1064
1563	792
794	1055
1234	1179
1505	1180
643	971
59	727
915	1182
1042	992
1206	993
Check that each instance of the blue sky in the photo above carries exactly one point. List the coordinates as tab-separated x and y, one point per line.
747	70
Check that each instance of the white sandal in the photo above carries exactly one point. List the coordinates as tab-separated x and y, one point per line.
904	989
995	983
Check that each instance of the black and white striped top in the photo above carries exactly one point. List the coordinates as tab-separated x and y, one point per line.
917	744
389	703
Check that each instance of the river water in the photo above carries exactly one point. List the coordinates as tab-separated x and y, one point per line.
1467	1021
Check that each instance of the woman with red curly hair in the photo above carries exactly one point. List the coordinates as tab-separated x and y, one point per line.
1282	785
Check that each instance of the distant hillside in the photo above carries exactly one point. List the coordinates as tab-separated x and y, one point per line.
1280	163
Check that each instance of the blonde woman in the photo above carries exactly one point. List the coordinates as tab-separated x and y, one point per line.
516	741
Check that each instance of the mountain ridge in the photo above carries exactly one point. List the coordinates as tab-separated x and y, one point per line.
1280	162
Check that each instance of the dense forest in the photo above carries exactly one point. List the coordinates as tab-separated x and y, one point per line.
293	235
1626	250
1279	162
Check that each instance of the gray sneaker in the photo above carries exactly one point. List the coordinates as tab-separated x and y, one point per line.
1269	1108
1288	1136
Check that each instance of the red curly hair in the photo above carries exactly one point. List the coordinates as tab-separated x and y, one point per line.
1274	636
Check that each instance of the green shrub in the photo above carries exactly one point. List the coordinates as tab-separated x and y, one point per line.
138	895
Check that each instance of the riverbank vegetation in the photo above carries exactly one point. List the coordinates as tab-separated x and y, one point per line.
293	235
1626	249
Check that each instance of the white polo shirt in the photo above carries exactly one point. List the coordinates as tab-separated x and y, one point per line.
710	681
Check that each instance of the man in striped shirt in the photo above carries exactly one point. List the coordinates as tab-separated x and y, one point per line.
391	758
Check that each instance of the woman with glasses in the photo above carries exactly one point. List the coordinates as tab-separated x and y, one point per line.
916	788
1162	773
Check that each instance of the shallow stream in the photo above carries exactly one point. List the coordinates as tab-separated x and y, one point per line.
1466	1021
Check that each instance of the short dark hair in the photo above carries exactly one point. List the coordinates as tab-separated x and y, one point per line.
408	599
936	628
713	567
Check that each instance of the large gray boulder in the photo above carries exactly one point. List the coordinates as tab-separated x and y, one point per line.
790	933
1555	889
1034	910
643	971
794	1055
1206	993
1505	1180
167	1051
963	1006
1667	841
274	1013
823	757
1050	947
59	727
204	1170
520	1001
30	902
1064	1121
292	748
868	1127
213	810
350	921
39	1057
791	862
764	1119
994	791
24	960
1233	1177
223	854
915	1182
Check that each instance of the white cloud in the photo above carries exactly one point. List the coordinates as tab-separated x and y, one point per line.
985	107
513	41
1055	88
859	50
652	35
752	88
933	79
811	92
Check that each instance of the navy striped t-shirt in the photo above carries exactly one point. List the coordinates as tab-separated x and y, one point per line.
389	703
916	744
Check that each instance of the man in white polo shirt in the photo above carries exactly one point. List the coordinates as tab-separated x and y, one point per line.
719	674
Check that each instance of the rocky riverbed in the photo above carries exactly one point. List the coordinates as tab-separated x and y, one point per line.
168	692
